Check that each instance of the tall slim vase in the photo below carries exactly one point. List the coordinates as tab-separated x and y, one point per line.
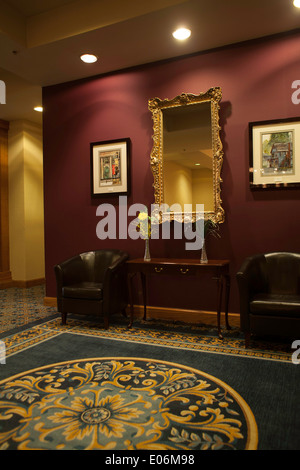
147	256
203	258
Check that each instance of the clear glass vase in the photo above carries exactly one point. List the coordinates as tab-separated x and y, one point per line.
203	258
147	256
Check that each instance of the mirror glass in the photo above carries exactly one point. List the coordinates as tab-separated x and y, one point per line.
187	154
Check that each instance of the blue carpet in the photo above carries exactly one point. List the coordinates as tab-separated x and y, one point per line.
242	395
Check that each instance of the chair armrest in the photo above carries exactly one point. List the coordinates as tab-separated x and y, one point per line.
118	263
251	278
252	275
115	288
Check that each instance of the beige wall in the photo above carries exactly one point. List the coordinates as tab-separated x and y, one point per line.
202	181
178	184
26	209
186	186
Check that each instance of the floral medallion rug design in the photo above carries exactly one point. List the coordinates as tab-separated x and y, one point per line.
207	393
122	403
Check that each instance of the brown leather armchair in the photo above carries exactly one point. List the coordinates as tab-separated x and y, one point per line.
92	283
269	289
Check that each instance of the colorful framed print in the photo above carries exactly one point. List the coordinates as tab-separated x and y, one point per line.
274	154
110	165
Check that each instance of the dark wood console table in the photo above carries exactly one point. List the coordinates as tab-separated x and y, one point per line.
219	269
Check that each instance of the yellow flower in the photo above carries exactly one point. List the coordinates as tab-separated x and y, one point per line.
143	216
145	224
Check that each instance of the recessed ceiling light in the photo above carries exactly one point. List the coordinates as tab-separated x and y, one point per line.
89	58
297	3
39	109
182	33
197	164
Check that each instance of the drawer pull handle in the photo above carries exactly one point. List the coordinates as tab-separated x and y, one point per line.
184	271
158	270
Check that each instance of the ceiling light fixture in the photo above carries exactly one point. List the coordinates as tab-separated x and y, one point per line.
296	3
39	109
182	33
88	58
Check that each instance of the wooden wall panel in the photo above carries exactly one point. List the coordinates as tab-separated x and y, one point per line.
5	274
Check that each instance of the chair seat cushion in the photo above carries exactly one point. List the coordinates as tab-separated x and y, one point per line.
276	304
84	290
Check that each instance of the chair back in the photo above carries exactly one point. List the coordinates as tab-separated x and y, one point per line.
283	273
95	263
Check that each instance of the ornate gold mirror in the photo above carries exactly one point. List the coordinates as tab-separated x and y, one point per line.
187	155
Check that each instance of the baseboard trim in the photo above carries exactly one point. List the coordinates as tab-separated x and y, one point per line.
50	301
30	283
185	315
5	279
171	314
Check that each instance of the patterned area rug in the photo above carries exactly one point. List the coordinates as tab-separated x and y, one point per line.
19	307
122	403
81	387
158	386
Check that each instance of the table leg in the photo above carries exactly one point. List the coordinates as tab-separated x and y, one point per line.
227	291
144	291
130	277
220	295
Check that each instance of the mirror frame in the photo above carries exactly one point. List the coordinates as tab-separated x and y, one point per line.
156	106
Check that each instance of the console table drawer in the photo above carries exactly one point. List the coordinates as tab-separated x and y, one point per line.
189	267
165	268
172	269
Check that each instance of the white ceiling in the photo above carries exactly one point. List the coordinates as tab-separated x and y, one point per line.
41	40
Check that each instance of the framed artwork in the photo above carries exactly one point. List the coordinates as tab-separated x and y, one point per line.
274	154
110	167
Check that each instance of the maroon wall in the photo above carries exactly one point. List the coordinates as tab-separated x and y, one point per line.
256	81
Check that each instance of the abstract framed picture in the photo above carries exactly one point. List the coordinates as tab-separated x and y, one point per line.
110	167
274	161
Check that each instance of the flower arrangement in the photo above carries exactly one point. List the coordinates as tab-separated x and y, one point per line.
146	223
208	227
211	227
145	227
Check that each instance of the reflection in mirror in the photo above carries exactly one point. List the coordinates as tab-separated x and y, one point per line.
187	155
